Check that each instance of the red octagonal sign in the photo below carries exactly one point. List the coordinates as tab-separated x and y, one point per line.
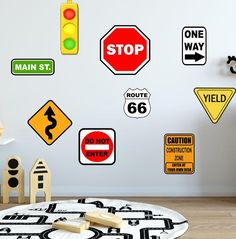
125	50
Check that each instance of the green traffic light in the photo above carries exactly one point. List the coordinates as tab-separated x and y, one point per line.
69	44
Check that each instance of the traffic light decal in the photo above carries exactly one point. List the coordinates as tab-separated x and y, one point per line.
69	28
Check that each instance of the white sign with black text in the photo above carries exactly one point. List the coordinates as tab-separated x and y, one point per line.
194	45
137	104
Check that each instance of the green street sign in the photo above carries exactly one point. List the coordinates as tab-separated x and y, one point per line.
32	67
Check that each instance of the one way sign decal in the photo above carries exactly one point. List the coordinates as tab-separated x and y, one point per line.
194	45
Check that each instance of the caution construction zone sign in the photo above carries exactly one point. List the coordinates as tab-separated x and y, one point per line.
179	153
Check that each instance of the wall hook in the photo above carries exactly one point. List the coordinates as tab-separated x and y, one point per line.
231	58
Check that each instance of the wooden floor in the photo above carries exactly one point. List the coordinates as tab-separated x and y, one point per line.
209	218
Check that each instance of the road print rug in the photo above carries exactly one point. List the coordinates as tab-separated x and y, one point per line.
141	221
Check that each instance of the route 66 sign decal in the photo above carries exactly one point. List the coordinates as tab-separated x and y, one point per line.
137	104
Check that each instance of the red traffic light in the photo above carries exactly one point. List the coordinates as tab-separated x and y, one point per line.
69	14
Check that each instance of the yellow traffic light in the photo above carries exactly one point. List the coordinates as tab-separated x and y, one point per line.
69	28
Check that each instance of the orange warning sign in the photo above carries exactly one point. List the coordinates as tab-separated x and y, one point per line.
179	153
49	122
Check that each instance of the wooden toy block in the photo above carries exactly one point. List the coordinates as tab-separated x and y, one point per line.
75	225
40	180
104	218
13	179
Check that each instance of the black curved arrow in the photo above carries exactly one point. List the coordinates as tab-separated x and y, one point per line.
49	113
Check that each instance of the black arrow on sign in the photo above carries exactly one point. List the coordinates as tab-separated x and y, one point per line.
49	113
195	56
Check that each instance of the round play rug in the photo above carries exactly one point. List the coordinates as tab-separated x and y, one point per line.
141	221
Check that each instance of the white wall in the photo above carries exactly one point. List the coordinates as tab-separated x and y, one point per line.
93	97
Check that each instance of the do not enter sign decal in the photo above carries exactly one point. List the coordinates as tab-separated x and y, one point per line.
97	146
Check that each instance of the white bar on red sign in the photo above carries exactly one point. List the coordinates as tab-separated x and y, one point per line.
97	146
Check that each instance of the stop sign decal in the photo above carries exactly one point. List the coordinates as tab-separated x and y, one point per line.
97	146
125	50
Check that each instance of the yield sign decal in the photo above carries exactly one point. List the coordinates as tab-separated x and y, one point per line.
214	100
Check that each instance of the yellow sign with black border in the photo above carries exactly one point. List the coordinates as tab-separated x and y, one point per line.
49	122
214	100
